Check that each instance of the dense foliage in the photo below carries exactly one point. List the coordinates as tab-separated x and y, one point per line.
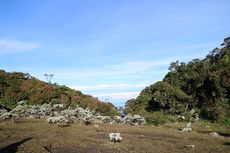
18	86
200	84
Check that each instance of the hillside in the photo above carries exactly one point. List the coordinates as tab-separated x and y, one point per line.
203	85
17	86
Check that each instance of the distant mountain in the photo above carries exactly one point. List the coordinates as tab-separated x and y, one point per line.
203	85
17	86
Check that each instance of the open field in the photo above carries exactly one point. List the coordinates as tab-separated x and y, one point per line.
39	136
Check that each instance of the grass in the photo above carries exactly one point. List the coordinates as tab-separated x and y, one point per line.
39	136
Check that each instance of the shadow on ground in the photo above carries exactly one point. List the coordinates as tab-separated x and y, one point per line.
227	143
12	148
224	134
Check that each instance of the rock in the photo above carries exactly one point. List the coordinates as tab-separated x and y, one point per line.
180	118
58	106
2	111
207	126
22	102
194	118
87	120
190	146
215	134
192	111
96	126
6	115
138	120
187	129
115	137
106	119
134	120
63	124
189	125
118	119
57	119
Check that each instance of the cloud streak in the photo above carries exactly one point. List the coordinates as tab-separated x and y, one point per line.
108	86
119	95
12	46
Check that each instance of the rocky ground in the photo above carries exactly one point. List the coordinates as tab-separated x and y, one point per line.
37	135
53	128
58	114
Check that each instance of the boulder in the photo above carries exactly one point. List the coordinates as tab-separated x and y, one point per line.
2	111
192	111
58	119
106	119
190	146
180	118
215	134
58	106
22	102
134	120
118	119
138	120
189	125
186	129
6	115
115	137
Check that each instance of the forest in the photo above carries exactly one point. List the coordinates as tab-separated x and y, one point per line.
201	84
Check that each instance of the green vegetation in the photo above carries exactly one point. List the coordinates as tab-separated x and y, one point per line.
203	85
18	86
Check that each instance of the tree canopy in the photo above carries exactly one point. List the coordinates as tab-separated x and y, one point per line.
200	84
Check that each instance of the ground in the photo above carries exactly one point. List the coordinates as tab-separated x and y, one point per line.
38	136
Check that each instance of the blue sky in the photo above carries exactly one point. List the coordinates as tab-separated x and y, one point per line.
111	49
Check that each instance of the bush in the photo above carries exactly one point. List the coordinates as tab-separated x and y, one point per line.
158	118
225	121
9	103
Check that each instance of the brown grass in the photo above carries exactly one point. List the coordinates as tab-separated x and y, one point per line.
82	138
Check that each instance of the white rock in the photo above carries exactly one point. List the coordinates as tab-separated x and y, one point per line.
187	129
192	111
22	102
180	118
115	137
189	125
215	134
190	146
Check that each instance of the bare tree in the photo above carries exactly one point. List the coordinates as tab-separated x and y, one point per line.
49	77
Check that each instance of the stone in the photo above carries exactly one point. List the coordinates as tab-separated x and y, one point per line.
2	111
187	129
134	120
106	119
190	146
189	125
6	115
63	124
115	137
192	111
180	118
22	102
215	134
57	119
118	119
58	106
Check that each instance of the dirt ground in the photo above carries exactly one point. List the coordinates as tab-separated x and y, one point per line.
38	136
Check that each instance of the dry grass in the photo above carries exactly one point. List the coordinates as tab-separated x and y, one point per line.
39	136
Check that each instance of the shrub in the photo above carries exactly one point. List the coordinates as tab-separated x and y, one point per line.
159	118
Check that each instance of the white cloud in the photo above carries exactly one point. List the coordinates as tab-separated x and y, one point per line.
12	46
109	86
129	69
119	95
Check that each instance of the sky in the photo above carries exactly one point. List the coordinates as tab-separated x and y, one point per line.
111	49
